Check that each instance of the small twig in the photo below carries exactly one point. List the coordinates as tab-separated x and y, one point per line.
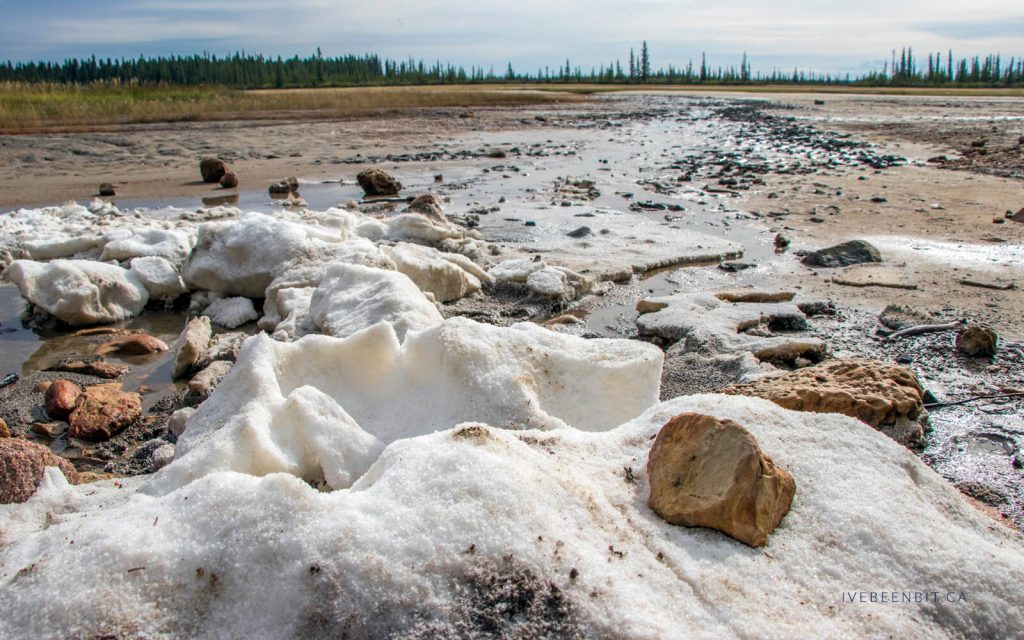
936	405
924	328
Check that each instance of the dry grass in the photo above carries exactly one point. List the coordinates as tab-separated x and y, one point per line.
587	89
36	108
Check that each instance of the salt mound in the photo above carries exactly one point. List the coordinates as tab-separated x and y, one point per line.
481	531
172	245
352	297
299	407
241	257
80	292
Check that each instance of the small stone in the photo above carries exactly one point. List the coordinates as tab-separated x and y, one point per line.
977	341
195	339
107	190
428	205
42	386
5	432
102	411
207	380
843	255
439	177
178	420
530	223
580	232
284	187
212	169
229	180
22	464
59	400
706	472
161	457
49	429
377	182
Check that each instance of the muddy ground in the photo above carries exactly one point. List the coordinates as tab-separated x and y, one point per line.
927	180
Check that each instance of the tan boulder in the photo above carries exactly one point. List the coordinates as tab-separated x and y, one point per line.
195	339
102	411
706	472
59	399
377	182
874	392
21	468
5	432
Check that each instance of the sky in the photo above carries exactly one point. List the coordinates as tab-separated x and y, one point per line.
834	36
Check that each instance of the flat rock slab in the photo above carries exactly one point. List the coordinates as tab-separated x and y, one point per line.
707	324
877	393
621	244
875	275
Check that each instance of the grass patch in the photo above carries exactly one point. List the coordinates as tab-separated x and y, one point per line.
39	108
589	89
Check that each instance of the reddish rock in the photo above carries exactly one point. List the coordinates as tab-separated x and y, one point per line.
102	411
229	180
21	468
134	344
706	472
60	399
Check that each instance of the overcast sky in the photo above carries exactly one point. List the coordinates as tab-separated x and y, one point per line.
822	35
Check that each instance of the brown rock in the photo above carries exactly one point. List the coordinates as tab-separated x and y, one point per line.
212	169
98	368
49	429
60	399
107	190
195	339
207	380
706	472
377	182
229	180
4	431
42	386
134	344
21	468
284	187
873	392
429	205
977	341
102	411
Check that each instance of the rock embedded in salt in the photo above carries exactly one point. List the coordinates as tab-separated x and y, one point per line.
442	525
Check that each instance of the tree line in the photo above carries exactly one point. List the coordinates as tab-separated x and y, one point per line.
254	71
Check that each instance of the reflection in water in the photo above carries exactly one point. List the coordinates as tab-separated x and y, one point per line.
221	201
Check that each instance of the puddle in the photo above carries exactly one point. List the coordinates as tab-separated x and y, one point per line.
991	443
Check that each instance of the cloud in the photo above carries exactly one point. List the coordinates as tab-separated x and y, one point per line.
825	34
